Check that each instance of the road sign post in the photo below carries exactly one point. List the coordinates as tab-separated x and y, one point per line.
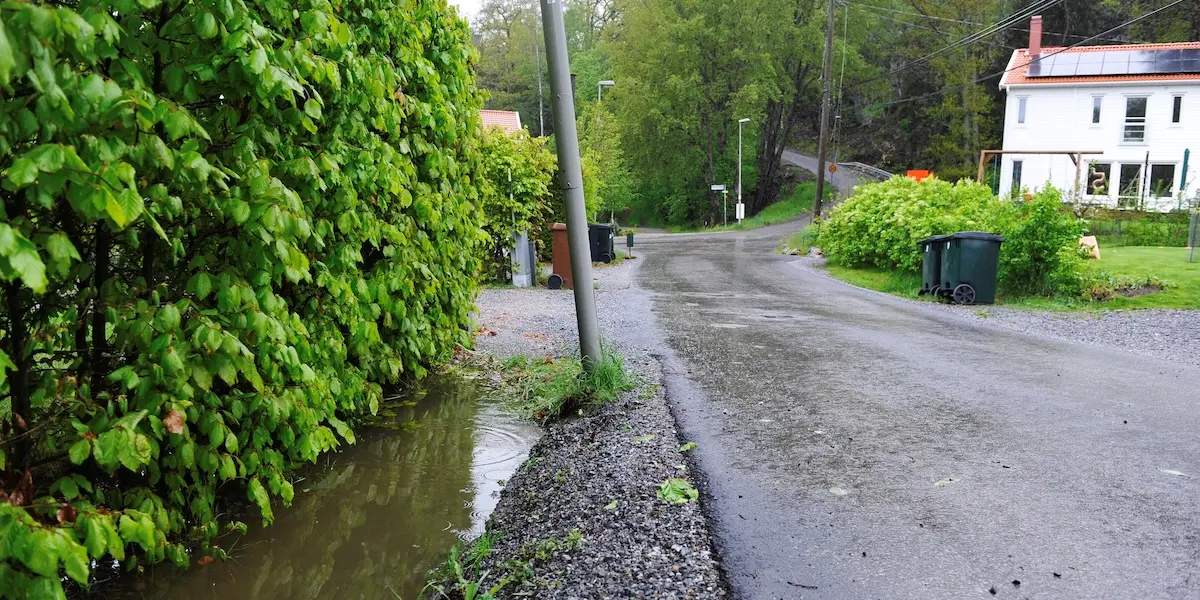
720	187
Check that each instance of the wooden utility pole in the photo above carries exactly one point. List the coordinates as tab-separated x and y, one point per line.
823	143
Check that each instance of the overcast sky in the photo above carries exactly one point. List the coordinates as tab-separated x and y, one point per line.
468	8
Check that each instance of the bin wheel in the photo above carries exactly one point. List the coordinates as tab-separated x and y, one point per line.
935	292
606	257
964	294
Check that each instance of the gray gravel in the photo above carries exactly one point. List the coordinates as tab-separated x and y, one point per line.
597	474
1167	334
1172	335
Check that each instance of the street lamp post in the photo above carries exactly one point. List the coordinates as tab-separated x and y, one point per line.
601	85
741	210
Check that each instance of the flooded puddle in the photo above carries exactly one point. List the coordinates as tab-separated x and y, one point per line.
370	521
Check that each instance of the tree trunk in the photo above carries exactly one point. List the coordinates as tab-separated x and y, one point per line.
18	382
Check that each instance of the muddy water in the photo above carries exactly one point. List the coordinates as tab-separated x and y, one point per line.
370	521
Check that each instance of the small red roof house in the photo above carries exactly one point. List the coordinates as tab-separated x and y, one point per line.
1134	110
507	120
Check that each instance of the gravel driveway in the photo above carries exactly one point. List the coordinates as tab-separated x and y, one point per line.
1172	335
595	478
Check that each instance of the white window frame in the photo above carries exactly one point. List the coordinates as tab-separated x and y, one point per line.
1095	120
1149	180
1144	122
1022	110
1180	98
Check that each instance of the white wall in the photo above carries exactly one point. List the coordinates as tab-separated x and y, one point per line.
1060	118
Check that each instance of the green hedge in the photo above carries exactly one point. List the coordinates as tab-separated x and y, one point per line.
518	172
226	227
880	225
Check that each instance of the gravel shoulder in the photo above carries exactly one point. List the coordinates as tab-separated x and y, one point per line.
1172	335
582	515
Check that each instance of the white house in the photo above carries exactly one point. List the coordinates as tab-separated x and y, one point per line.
1138	106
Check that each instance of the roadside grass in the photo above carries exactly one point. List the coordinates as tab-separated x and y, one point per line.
898	283
460	577
795	204
620	258
804	239
1130	263
547	389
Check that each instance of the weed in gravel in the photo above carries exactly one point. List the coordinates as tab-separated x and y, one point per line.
677	491
547	389
687	446
460	577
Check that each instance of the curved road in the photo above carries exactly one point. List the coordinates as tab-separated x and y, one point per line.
844	180
857	445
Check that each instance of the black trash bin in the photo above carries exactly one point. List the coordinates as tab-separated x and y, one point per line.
931	266
601	242
970	260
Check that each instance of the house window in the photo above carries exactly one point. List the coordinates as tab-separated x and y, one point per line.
1016	178
1177	109
1097	184
1135	120
1162	180
1021	105
1130	184
1096	101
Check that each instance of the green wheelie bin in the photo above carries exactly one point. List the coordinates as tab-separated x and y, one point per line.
970	260
931	266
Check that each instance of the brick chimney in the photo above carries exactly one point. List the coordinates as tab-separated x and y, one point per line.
1035	37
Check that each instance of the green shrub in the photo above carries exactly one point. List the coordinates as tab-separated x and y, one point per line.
881	224
226	227
1041	254
515	194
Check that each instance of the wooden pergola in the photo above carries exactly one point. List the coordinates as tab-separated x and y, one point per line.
1076	157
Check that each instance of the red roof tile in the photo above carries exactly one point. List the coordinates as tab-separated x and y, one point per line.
1018	65
507	120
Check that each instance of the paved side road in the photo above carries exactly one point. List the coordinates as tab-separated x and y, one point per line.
857	445
844	180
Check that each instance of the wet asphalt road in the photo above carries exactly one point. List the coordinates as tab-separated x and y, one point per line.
857	445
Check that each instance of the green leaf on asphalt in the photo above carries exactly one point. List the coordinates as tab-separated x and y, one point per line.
1175	473
943	482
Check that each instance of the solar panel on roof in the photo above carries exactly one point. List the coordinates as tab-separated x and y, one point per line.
1118	62
1169	66
1063	70
1140	68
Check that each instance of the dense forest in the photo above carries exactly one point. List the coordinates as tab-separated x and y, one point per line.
914	83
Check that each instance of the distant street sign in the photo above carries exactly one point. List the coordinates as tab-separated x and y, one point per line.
833	168
718	188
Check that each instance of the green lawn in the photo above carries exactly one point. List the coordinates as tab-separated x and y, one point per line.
797	203
1167	264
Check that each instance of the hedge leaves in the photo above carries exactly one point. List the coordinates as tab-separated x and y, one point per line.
226	226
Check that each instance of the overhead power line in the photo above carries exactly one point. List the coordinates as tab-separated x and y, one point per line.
1043	57
1004	23
935	29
